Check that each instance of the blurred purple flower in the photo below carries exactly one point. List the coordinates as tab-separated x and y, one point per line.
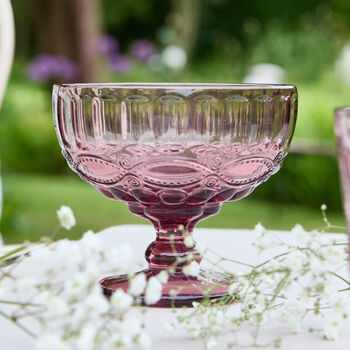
120	63
107	44
142	49
45	67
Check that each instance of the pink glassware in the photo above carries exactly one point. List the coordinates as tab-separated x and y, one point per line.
342	133
174	153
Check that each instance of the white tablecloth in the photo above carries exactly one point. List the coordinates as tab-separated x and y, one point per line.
235	244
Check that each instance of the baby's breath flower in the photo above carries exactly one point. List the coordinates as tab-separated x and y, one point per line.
340	302
192	269
295	307
193	327
259	229
144	340
86	339
78	318
96	303
120	257
129	327
181	228
232	288
115	342
92	270
74	311
334	255
296	261
66	217
173	293
76	284
273	265
25	283
153	291
196	305
273	280
200	248
291	313
51	341
68	253
137	284
264	239
210	343
91	242
316	264
41	255
331	332
316	240
299	232
332	325
54	305
188	241
121	300
328	290
163	276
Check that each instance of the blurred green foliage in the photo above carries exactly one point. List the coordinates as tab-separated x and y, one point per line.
305	180
39	196
303	37
27	139
28	142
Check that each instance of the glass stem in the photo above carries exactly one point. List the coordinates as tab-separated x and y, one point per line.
169	251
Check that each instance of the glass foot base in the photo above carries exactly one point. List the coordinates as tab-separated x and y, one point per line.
180	290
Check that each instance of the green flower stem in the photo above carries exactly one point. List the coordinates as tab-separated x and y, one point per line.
14	321
12	252
336	275
18	303
230	260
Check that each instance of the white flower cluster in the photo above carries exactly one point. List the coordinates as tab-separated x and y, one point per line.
310	267
66	217
75	302
299	281
74	314
307	266
67	300
203	322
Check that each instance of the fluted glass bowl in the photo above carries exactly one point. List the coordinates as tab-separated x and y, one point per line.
174	153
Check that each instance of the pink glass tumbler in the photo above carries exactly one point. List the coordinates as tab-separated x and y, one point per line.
342	132
174	153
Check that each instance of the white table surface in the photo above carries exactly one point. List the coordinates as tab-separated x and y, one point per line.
235	244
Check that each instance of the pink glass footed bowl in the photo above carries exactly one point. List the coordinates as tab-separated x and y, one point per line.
174	153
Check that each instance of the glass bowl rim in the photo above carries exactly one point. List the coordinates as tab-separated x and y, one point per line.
179	86
345	109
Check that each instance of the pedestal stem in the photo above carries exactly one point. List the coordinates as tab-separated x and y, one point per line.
169	251
172	225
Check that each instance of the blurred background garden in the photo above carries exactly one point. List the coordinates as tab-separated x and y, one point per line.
300	42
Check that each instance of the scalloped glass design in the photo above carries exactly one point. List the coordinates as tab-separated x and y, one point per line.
174	153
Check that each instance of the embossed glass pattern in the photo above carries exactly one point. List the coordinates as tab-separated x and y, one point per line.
174	153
